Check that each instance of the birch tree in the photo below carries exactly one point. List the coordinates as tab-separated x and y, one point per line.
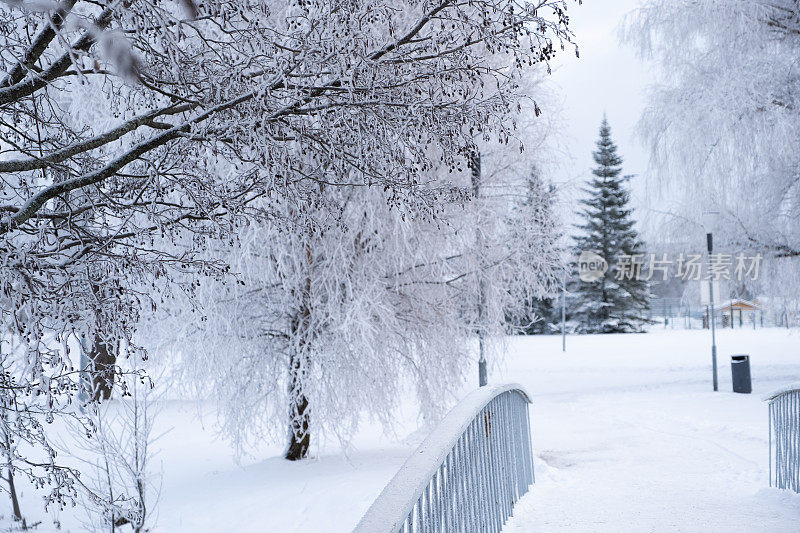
722	121
335	309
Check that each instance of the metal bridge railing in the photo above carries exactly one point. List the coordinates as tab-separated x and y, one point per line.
784	438
467	475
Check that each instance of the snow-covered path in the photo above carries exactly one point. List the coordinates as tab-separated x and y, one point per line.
633	439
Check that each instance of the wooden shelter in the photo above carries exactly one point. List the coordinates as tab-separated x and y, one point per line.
736	308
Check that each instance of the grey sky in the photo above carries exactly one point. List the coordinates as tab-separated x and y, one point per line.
608	77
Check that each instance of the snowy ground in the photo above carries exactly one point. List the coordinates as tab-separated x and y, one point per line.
628	437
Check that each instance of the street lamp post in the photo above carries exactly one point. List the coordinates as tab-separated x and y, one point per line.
483	377
564	312
710	242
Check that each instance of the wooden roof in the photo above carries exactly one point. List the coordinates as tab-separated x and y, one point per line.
739	304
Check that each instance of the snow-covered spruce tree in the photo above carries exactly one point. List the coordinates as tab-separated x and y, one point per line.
125	126
616	301
540	311
723	120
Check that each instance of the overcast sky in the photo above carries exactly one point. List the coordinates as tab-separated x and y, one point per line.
608	77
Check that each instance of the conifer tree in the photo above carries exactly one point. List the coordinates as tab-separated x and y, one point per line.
614	303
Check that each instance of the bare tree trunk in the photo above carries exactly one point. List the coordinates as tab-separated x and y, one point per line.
17	513
103	360
12	490
6	405
103	354
138	528
299	416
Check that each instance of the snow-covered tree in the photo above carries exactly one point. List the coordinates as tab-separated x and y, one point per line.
331	319
119	484
336	304
540	311
615	302
722	120
326	315
133	132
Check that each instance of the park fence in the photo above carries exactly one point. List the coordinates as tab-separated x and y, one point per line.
676	313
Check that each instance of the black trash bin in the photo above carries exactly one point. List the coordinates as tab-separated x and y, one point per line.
740	374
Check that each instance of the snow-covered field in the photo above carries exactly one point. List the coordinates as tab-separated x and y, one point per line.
628	436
